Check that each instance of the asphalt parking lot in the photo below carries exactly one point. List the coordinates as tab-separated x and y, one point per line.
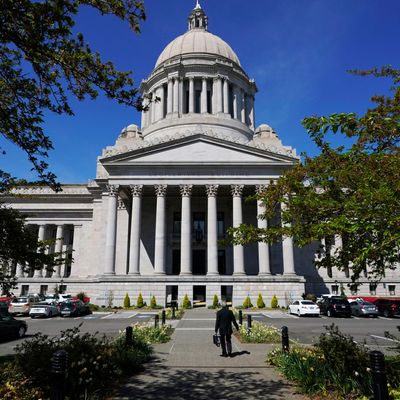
304	330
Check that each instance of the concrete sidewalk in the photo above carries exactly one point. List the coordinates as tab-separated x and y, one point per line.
190	366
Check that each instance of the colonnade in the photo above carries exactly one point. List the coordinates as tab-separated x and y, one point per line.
61	246
160	239
218	95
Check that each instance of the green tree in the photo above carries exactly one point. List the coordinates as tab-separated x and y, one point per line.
153	302
140	302
186	302
274	302
247	303
127	301
215	301
350	192
260	301
43	63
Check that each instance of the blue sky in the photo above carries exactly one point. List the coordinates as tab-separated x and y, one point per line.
297	51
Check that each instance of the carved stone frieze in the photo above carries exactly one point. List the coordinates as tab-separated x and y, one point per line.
136	190
237	190
212	190
39	190
186	190
161	190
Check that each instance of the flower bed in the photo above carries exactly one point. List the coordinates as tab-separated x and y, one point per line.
259	333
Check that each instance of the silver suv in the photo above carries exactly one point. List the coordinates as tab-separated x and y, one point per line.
22	305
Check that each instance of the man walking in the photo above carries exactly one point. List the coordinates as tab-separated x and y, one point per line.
223	323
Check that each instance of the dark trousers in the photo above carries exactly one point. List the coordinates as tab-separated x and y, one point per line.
226	344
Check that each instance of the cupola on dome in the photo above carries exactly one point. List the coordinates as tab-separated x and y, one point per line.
197	41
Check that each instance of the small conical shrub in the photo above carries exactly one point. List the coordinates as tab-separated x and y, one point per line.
247	303
127	301
274	302
215	301
153	302
186	302
139	302
260	301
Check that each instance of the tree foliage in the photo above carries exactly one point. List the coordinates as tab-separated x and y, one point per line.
351	191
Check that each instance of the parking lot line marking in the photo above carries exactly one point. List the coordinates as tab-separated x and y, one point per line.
385	338
387	319
133	315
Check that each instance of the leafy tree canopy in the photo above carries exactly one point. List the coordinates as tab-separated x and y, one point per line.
351	192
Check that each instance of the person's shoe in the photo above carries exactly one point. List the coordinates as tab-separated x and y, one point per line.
230	355
224	355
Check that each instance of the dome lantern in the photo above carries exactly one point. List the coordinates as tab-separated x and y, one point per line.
198	18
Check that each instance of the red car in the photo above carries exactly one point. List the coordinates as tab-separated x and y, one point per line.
388	307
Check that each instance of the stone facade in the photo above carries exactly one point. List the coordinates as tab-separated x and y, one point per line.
153	219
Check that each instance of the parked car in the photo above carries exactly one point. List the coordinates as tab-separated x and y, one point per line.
56	298
22	305
304	307
3	307
74	308
388	307
11	327
364	308
44	310
335	306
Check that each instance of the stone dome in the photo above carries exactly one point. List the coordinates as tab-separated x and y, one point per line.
198	41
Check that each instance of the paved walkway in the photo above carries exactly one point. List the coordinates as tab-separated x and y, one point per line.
190	367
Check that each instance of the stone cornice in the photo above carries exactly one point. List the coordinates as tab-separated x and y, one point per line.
45	190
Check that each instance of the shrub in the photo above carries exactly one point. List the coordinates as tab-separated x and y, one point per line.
178	313
81	296
149	334
247	303
309	296
93	307
259	333
153	302
274	302
260	302
127	301
139	302
215	301
186	302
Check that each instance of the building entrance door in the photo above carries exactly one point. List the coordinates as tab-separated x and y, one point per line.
199	296
171	296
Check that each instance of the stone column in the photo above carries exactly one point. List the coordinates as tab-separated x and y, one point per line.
242	107
263	248
212	230
59	247
191	95
160	239
219	95
111	233
238	253
136	215
251	115
20	271
226	96
287	252
235	102
176	96
41	235
186	231
170	96
214	96
160	104
204	96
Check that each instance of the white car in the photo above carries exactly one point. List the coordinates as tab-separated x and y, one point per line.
304	307
44	310
56	298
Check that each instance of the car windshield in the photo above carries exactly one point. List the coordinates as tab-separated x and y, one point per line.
20	300
67	305
307	302
338	301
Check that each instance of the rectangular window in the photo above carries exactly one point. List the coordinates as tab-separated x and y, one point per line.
176	261
221	225
354	289
24	290
392	290
44	289
221	262
176	225
372	288
335	289
62	289
199	226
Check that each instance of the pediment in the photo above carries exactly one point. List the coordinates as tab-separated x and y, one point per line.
198	150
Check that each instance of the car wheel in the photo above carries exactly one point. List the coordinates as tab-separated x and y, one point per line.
21	331
298	313
329	313
50	314
32	316
386	313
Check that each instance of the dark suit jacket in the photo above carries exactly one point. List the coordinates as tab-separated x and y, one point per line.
224	321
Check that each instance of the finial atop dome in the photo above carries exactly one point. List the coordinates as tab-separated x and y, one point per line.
198	18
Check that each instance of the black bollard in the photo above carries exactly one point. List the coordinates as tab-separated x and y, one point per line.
173	310
379	381
240	317
163	317
285	338
156	321
59	372
248	322
129	336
